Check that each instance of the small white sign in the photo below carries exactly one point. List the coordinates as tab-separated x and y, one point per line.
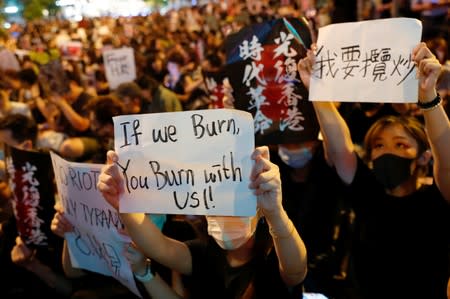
119	66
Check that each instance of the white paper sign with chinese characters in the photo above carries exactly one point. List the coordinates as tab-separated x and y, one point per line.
190	162
96	243
119	66
368	61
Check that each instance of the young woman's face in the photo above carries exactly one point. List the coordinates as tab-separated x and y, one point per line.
393	139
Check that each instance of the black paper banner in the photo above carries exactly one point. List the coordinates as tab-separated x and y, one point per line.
262	70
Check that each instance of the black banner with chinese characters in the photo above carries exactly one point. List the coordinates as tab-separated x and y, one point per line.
262	69
31	178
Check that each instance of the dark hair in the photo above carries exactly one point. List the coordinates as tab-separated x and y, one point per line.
74	76
214	59
28	75
176	57
148	82
409	123
105	108
22	127
128	89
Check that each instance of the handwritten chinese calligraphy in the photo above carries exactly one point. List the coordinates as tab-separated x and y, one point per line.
374	64
26	207
282	56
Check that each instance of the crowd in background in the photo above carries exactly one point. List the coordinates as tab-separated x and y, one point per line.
171	52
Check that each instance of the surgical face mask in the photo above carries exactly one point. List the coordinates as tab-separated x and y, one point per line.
158	219
297	158
230	232
391	170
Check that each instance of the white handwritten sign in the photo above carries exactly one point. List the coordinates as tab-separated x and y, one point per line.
368	61
119	66
96	244
190	162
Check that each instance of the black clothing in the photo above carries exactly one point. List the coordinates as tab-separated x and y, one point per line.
318	207
401	250
212	277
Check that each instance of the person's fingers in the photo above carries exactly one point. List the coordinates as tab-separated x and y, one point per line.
268	176
256	169
264	171
420	51
110	175
261	151
111	157
58	207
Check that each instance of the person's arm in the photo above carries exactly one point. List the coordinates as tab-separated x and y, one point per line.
60	225
154	285
153	243
437	123
191	84
339	149
290	249
77	121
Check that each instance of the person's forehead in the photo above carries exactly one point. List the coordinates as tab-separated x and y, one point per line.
394	132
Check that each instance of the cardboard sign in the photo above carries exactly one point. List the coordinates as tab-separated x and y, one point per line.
190	162
119	66
368	61
96	243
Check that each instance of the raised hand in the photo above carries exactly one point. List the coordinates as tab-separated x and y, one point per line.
60	224
265	181
110	182
429	69
306	66
21	254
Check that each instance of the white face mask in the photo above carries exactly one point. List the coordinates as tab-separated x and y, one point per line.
230	232
296	158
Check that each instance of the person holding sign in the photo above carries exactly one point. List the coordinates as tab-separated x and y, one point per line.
86	284
36	252
260	256
403	225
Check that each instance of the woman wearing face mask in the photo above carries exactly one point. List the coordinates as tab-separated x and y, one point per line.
244	257
314	199
403	228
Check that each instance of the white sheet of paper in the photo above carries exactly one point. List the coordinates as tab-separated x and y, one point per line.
368	61
190	162
119	66
96	244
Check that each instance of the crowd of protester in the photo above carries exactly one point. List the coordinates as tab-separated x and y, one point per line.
72	116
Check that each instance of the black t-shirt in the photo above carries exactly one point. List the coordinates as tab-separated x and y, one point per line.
315	204
402	244
212	277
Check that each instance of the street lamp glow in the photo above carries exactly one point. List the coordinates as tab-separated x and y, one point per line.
11	9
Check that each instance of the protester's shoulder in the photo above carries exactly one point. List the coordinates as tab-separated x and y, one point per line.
166	92
430	193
